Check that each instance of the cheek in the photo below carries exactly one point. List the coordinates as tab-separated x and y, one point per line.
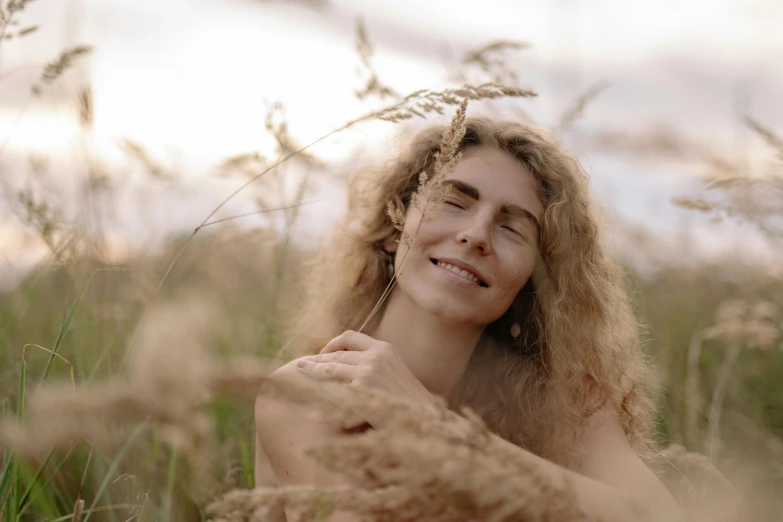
519	272
425	231
412	218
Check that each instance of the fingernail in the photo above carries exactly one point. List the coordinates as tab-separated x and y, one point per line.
301	363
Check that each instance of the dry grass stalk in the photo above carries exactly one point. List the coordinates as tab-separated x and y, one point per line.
54	69
490	60
373	85
391	504
713	441
701	205
85	106
430	192
7	13
693	396
151	166
424	463
423	102
45	219
756	325
77	510
571	115
60	237
738	324
755	198
662	143
247	163
416	104
276	125
26	31
772	139
16	6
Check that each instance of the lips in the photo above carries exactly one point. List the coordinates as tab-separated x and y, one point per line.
460	267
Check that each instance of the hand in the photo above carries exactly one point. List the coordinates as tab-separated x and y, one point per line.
358	359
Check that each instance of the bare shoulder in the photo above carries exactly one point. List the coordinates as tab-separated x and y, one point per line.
285	430
270	408
275	415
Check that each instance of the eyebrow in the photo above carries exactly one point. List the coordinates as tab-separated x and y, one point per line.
507	208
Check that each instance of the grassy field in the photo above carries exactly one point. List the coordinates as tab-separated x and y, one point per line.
148	328
87	313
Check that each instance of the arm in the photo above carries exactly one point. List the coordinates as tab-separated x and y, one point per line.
612	483
608	457
283	431
263	476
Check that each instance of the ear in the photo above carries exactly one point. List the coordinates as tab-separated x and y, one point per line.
390	244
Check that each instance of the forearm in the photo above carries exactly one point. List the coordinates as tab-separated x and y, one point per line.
609	502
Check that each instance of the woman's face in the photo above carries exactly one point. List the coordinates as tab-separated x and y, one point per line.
475	251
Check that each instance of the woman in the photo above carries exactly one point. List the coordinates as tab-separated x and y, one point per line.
505	301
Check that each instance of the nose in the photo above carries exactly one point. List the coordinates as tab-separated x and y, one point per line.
475	235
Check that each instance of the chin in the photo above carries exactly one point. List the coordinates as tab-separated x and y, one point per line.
452	310
460	317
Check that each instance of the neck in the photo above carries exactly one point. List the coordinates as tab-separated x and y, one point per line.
437	352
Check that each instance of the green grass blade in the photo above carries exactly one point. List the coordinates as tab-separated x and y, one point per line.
6	485
7	479
67	324
170	482
20	401
11	504
30	492
113	468
9	485
247	462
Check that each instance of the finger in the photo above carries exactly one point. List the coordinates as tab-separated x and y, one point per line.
342	356
349	340
330	371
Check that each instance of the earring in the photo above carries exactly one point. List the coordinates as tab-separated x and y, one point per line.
388	258
516	330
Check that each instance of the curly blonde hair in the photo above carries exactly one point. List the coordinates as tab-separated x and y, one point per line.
579	345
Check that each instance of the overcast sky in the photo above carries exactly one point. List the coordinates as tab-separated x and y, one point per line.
188	79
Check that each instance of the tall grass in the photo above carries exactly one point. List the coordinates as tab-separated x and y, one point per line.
126	389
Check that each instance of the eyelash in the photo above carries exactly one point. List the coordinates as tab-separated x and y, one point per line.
512	230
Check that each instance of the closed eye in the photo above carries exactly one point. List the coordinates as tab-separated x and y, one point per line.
454	204
514	230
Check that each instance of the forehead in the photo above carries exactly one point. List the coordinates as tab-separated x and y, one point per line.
500	178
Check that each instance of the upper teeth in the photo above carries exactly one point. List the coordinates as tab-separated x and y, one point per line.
459	271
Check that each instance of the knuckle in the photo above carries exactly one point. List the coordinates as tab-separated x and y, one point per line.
382	350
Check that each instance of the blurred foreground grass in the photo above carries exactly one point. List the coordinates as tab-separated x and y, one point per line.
89	311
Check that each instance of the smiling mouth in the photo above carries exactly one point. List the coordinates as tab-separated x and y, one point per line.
460	272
